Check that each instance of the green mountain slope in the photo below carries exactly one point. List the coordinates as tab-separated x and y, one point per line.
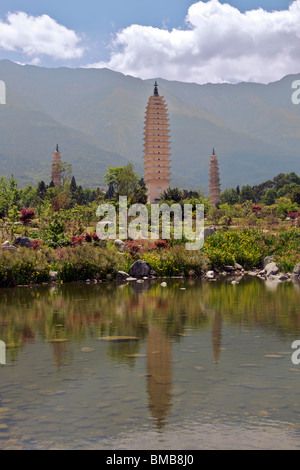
97	117
28	139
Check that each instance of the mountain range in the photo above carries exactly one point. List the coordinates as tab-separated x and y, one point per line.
96	116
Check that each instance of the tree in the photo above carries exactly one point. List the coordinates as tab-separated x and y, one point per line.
247	194
73	185
262	188
89	195
28	196
227	213
270	197
293	178
285	206
187	194
229	196
140	195
79	195
110	193
122	180
286	190
172	194
41	190
13	191
9	195
61	201
13	215
65	171
26	217
295	195
280	181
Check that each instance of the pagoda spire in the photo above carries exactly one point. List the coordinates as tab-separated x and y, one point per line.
156	147
214	180
56	167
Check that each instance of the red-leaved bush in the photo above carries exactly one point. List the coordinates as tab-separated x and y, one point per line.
91	237
256	209
294	215
77	240
26	216
35	244
141	246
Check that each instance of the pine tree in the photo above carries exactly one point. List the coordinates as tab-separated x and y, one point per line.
73	185
41	189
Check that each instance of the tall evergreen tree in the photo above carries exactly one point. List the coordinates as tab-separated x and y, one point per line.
73	185
41	190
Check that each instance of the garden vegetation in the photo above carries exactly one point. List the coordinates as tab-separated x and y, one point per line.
252	223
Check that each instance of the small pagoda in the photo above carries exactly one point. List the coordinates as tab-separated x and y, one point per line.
56	167
214	180
156	147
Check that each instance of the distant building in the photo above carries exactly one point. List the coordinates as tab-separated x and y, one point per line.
156	147
56	168
214	180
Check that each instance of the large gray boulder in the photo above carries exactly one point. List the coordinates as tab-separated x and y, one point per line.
120	245
140	269
6	246
271	269
209	231
22	241
267	260
122	276
296	271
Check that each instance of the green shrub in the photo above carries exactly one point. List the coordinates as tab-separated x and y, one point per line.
81	263
249	248
175	261
26	267
246	247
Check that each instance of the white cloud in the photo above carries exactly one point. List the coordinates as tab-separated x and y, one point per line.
36	36
218	43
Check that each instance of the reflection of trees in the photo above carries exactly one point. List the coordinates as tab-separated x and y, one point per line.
63	315
216	335
76	312
252	303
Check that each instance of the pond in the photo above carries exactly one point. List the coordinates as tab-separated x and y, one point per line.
192	365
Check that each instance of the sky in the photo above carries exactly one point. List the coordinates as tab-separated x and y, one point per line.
209	41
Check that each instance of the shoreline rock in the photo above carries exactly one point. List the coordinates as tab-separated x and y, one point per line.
271	269
140	269
120	245
296	271
122	276
22	242
6	246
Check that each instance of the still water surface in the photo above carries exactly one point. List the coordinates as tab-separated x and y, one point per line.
203	366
